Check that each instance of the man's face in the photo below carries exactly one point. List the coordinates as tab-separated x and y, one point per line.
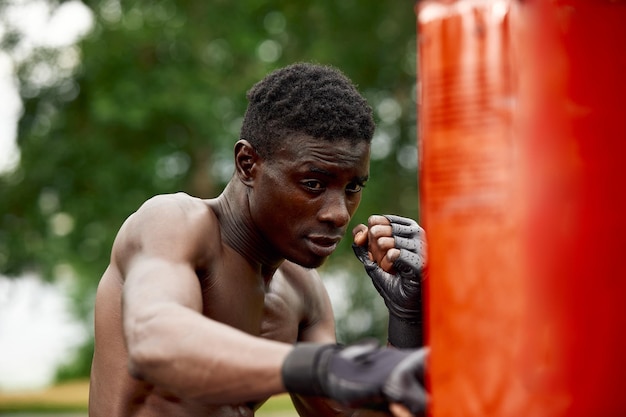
305	195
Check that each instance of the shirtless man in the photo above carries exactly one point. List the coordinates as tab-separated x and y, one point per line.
209	307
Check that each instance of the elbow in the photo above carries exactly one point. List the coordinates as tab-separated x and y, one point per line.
155	365
140	361
147	351
158	355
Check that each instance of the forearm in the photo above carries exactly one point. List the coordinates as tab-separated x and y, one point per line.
404	333
214	362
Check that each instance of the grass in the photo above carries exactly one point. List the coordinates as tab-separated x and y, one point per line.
70	396
73	397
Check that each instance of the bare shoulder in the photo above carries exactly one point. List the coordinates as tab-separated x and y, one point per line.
301	279
176	203
176	226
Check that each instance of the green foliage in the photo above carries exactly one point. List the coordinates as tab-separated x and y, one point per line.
78	367
154	106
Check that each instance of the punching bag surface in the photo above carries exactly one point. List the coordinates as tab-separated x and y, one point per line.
522	143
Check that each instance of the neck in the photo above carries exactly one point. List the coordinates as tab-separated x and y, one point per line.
239	231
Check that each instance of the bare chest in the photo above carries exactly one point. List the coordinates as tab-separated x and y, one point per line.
237	296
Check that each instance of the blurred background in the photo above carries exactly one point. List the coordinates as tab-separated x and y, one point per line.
104	104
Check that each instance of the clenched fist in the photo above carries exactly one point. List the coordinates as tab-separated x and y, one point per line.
393	252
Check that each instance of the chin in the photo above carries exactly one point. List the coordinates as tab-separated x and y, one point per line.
311	263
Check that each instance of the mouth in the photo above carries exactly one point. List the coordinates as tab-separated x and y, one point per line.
323	245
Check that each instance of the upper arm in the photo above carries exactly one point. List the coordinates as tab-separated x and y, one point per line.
157	251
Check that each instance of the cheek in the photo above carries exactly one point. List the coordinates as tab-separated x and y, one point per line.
295	207
352	204
282	206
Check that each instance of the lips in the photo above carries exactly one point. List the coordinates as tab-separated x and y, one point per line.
323	245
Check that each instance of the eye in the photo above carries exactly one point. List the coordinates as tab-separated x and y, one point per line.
313	185
354	187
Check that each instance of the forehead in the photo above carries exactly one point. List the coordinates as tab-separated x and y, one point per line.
301	152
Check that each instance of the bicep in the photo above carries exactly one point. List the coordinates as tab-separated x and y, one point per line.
156	252
151	282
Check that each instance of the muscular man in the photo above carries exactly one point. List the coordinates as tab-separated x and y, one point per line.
209	307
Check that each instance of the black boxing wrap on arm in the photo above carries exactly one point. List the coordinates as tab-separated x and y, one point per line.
405	312
404	334
353	375
405	329
407	383
300	368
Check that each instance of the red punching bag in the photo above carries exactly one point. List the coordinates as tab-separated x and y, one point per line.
522	135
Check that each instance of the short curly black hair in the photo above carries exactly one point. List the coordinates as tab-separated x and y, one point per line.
305	98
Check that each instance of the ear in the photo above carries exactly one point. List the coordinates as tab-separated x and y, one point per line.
246	160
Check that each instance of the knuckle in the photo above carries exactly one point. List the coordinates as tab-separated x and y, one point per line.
375	219
379	230
386	243
392	255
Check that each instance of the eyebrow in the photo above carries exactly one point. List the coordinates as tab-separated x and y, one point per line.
360	180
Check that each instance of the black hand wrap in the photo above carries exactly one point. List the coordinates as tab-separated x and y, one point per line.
407	382
402	292
361	375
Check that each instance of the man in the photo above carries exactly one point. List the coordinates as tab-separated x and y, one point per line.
209	307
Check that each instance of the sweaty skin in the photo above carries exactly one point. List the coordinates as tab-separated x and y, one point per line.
203	299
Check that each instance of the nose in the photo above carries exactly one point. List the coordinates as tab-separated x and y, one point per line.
335	209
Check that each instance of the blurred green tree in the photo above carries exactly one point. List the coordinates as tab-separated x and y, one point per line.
150	102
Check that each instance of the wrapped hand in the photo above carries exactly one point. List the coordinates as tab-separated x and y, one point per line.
397	270
361	375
